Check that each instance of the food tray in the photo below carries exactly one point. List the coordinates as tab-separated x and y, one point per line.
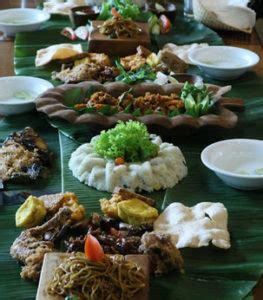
51	103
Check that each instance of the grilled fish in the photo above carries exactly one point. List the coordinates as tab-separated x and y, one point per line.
24	156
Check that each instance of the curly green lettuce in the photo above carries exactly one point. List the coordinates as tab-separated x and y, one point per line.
129	140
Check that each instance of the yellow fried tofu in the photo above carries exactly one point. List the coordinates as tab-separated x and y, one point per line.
136	212
31	213
132	62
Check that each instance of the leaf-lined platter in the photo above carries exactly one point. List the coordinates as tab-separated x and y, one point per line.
55	104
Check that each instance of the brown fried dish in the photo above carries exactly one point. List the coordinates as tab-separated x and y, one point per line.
88	66
32	244
149	103
98	66
24	156
164	256
118	27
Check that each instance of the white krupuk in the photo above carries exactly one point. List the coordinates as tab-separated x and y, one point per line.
59	51
162	171
183	51
61	6
195	226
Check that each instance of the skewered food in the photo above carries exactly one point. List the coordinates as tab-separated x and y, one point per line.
24	156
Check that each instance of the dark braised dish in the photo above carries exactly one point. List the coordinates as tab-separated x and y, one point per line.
24	155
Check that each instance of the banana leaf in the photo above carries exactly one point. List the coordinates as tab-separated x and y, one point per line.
11	285
210	273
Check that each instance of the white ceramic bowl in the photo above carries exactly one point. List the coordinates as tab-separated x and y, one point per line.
223	62
238	162
17	93
21	19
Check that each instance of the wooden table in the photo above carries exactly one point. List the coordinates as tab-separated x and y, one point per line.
230	38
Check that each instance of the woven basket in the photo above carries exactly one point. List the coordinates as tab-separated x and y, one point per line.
209	18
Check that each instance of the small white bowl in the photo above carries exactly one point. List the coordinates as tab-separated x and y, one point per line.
236	162
17	93
21	19
223	62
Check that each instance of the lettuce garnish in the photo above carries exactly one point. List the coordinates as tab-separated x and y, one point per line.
129	140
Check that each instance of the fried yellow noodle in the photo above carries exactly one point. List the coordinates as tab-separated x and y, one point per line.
111	279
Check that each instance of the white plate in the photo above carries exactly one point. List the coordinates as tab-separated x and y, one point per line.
237	162
17	93
223	62
21	19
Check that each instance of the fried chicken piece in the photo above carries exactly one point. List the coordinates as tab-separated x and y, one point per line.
132	62
54	202
110	207
172	61
24	155
164	256
157	102
102	98
86	71
99	59
30	247
142	51
81	72
86	57
108	74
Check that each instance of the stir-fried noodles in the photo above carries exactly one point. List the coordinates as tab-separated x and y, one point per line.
111	279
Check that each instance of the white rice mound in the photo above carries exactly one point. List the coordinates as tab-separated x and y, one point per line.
161	172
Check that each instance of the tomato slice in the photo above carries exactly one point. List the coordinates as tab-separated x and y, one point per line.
93	249
165	23
115	13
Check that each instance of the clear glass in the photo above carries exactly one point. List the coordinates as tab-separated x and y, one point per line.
188	8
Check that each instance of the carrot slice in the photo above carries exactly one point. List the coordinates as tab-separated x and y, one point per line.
119	161
93	249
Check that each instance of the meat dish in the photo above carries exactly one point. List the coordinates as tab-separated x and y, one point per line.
31	245
24	156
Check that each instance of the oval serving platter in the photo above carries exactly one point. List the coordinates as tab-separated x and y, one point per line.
52	104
